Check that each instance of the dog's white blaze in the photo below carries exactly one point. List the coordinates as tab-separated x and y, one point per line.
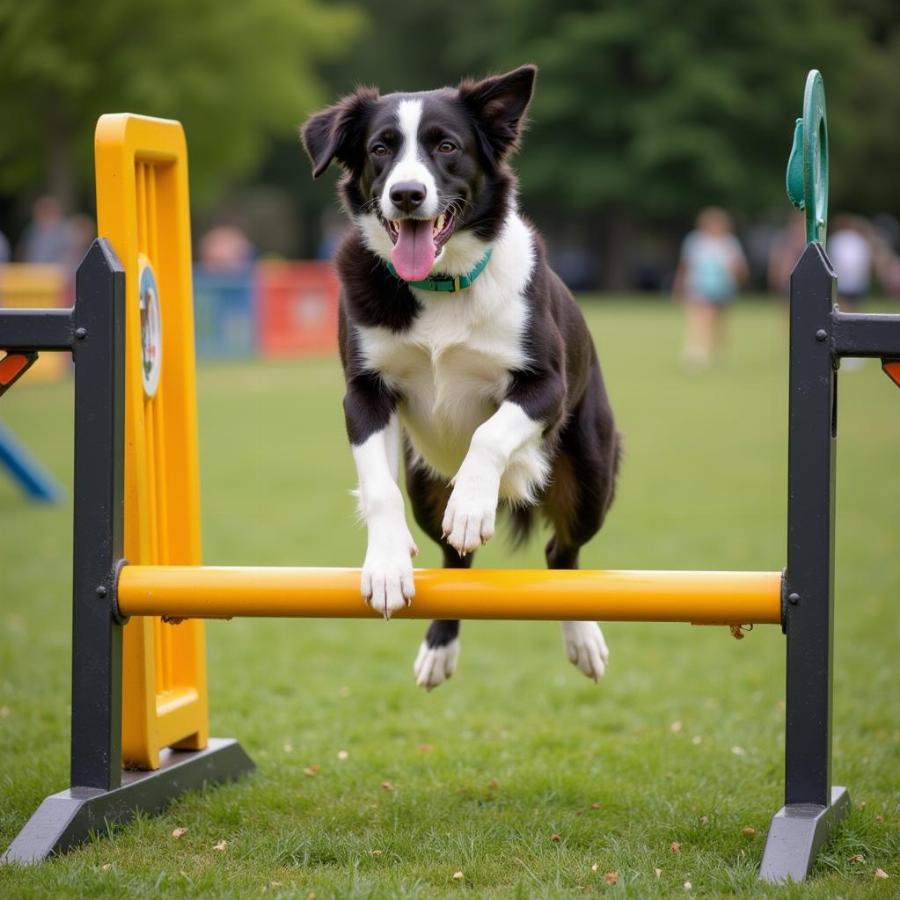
452	367
409	167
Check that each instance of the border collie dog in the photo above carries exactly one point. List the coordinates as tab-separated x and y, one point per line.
463	352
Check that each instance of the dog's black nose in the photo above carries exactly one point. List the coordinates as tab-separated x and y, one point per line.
408	196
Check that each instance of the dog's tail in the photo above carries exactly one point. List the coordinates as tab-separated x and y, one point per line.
521	524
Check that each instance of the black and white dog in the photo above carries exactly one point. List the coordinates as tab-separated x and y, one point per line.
461	348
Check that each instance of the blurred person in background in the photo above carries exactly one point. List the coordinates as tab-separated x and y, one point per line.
81	233
851	255
46	239
4	249
787	248
332	230
711	268
226	247
887	264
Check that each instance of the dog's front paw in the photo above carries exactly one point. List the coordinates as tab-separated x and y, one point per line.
434	665
586	648
471	511
387	574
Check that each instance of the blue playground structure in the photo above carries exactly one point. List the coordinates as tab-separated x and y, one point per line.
34	480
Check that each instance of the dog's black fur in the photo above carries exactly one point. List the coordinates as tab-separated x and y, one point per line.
561	386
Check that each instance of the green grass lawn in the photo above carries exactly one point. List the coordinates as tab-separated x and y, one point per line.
521	774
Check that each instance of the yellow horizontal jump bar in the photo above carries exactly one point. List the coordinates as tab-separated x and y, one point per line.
221	592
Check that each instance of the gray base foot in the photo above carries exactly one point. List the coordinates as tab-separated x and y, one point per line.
69	818
796	834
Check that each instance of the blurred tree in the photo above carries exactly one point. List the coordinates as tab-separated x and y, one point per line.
647	110
234	74
864	126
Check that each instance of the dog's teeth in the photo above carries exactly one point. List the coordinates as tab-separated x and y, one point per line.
439	225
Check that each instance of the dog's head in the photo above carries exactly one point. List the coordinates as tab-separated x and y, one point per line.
425	173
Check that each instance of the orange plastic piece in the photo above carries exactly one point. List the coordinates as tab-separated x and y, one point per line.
892	369
11	366
297	307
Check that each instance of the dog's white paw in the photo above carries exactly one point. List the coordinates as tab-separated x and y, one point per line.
387	574
434	665
586	648
471	512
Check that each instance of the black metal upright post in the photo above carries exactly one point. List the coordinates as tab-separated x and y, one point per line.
811	805
99	350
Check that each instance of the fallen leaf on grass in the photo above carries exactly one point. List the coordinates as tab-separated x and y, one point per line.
426	748
595	867
676	847
880	873
857	858
611	877
311	895
879	820
555	838
457	876
375	852
687	885
595	806
288	748
658	872
704	820
179	832
312	770
274	884
343	755
738	751
221	846
493	784
749	831
106	867
675	727
387	786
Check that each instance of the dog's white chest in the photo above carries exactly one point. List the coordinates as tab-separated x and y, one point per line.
451	370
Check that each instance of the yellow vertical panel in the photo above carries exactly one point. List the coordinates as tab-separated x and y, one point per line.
143	210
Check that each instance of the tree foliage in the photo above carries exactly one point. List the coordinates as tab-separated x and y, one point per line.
233	73
648	110
645	110
659	107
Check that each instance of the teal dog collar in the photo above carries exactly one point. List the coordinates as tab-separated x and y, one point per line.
447	284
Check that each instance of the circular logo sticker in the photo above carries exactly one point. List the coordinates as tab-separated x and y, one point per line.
151	328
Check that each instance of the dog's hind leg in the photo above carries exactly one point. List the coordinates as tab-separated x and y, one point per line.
439	651
576	502
584	641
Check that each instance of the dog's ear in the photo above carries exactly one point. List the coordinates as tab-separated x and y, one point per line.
337	133
498	105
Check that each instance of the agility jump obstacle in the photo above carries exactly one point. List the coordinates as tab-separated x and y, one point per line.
139	689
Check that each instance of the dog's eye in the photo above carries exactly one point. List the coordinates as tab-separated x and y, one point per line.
446	147
379	150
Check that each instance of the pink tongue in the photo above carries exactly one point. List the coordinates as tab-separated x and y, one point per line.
413	254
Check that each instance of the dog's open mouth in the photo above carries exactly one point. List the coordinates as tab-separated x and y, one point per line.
417	243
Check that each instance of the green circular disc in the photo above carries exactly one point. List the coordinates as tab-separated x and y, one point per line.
815	158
